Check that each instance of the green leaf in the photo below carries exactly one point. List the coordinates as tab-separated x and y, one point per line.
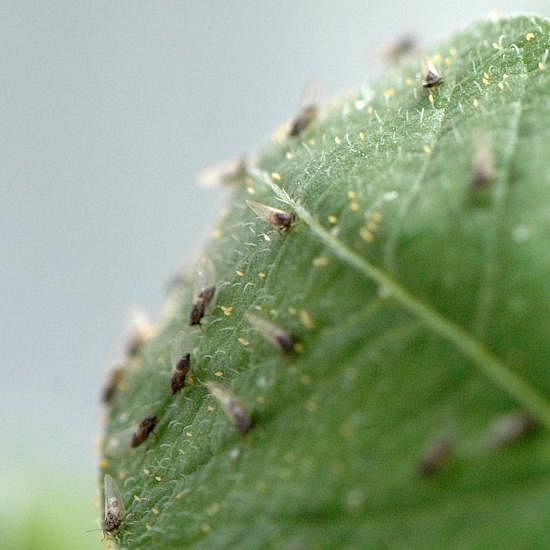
422	308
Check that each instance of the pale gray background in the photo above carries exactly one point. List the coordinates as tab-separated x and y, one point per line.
107	110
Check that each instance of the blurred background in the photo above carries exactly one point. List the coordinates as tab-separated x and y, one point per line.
107	111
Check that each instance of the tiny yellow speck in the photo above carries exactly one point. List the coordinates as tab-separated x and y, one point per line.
227	310
370	110
361	136
299	347
311	141
333	219
262	275
496	46
377	216
292	310
372	225
337	140
250	190
501	85
409	81
453	51
529	36
541	66
189	434
137	499
122	475
244	341
267	237
436	58
476	103
146	471
486	76
260	399
486	82
352	194
289	155
148	527
103	463
276	176
389	93
217	233
320	261
155	511
158	478
354	206
306	319
505	76
366	235
210	408
239	273
448	61
218	373
431	98
427	149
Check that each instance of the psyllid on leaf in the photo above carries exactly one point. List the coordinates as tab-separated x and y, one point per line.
309	109
144	429
507	429
204	290
436	455
182	346
230	172
279	337
115	378
404	46
114	506
139	332
483	164
273	216
430	76
232	406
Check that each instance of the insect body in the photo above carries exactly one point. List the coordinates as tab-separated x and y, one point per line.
308	111
114	506
436	456
432	78
279	337
483	164
115	377
232	406
205	291
273	216
180	373
146	426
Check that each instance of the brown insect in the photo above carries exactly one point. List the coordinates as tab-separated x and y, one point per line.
510	428
309	109
228	173
279	337
432	78
436	456
114	506
140	331
400	49
115	377
278	218
146	426
205	290
483	164
180	373
232	406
